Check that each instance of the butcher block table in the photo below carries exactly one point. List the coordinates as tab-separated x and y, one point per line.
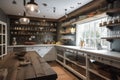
38	69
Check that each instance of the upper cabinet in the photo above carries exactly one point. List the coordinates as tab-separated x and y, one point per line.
3	39
36	32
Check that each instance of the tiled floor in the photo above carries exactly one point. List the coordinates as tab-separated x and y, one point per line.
61	72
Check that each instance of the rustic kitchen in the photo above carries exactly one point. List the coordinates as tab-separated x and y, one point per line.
59	40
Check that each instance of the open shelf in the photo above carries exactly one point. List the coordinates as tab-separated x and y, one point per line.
74	62
102	75
67	33
60	55
33	30
43	32
113	11
111	25
61	59
110	38
60	62
31	25
65	39
96	77
76	69
60	52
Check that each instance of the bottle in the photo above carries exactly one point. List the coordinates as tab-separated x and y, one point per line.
14	41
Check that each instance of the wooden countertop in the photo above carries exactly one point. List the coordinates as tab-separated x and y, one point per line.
38	69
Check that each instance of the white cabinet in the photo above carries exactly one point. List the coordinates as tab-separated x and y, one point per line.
73	60
88	65
102	67
47	52
3	39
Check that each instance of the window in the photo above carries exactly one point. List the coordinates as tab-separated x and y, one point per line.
91	34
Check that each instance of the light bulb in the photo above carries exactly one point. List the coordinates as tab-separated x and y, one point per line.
24	20
32	8
72	30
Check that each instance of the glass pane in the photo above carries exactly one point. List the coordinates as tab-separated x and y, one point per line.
3	49
92	43
92	30
0	50
0	39
3	29
0	28
4	39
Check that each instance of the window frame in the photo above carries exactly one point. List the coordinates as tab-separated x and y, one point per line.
95	23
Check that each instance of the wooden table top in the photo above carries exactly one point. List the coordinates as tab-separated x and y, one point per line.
37	70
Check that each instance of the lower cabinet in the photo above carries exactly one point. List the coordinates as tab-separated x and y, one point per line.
87	66
47	52
103	68
73	61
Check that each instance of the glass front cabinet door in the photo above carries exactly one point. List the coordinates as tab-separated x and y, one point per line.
3	39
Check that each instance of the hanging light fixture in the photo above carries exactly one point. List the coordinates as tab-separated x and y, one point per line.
24	19
66	15
32	7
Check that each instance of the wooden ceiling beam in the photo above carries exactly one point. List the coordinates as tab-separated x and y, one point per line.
32	18
85	9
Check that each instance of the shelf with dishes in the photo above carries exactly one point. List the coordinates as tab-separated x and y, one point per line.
109	25
37	30
112	23
30	34
45	30
33	25
36	23
113	11
113	18
28	28
68	31
110	38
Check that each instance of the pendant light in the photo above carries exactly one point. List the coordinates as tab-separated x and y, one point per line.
32	7
66	15
24	19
